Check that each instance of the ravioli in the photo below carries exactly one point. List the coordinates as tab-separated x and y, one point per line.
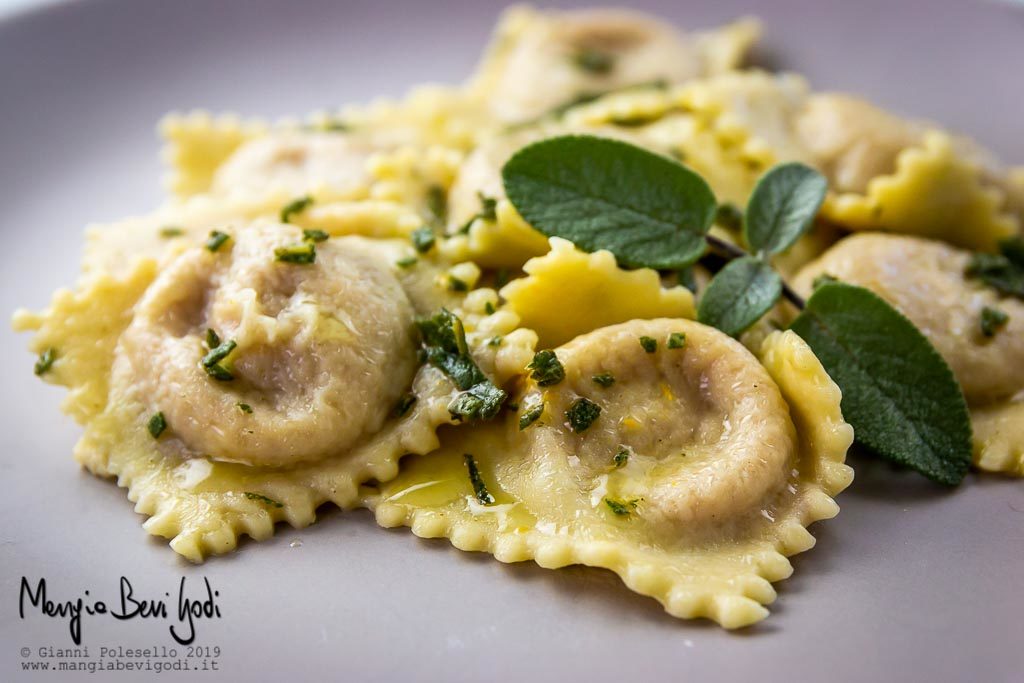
541	59
909	176
196	144
926	281
297	162
280	424
261	343
697	476
885	172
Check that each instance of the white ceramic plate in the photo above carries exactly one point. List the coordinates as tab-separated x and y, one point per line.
910	582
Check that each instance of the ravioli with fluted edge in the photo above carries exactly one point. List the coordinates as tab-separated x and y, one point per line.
229	390
929	282
691	471
357	307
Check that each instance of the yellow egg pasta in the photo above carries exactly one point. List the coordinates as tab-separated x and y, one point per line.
196	144
999	437
933	193
82	327
540	59
706	549
926	281
347	308
573	279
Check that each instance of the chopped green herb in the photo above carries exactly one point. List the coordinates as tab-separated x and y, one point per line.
547	369
488	207
621	458
301	254
992	319
495	340
488	212
217	240
219	373
650	344
822	279
333	126
157	424
405	404
259	497
313	235
445	333
1013	249
501	278
605	379
482	401
423	239
531	414
676	340
407	262
489	308
999	271
219	353
170	231
1003	271
437	203
296	206
212	339
621	508
559	110
479	488
638	120
245	408
457	285
594	61
211	361
729	216
45	361
444	346
582	98
581	414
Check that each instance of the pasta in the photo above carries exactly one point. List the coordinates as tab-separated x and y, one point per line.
926	281
349	308
702	535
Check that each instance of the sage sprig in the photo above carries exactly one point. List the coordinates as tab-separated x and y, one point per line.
650	211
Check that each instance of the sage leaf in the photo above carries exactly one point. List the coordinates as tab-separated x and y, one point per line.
898	393
648	210
782	207
744	290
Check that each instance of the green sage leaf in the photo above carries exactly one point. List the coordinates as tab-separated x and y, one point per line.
744	290
647	209
898	393
782	207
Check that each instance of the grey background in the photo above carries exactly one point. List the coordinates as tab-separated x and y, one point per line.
910	582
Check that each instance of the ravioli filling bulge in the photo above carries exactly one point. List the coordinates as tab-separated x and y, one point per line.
692	483
926	281
313	343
